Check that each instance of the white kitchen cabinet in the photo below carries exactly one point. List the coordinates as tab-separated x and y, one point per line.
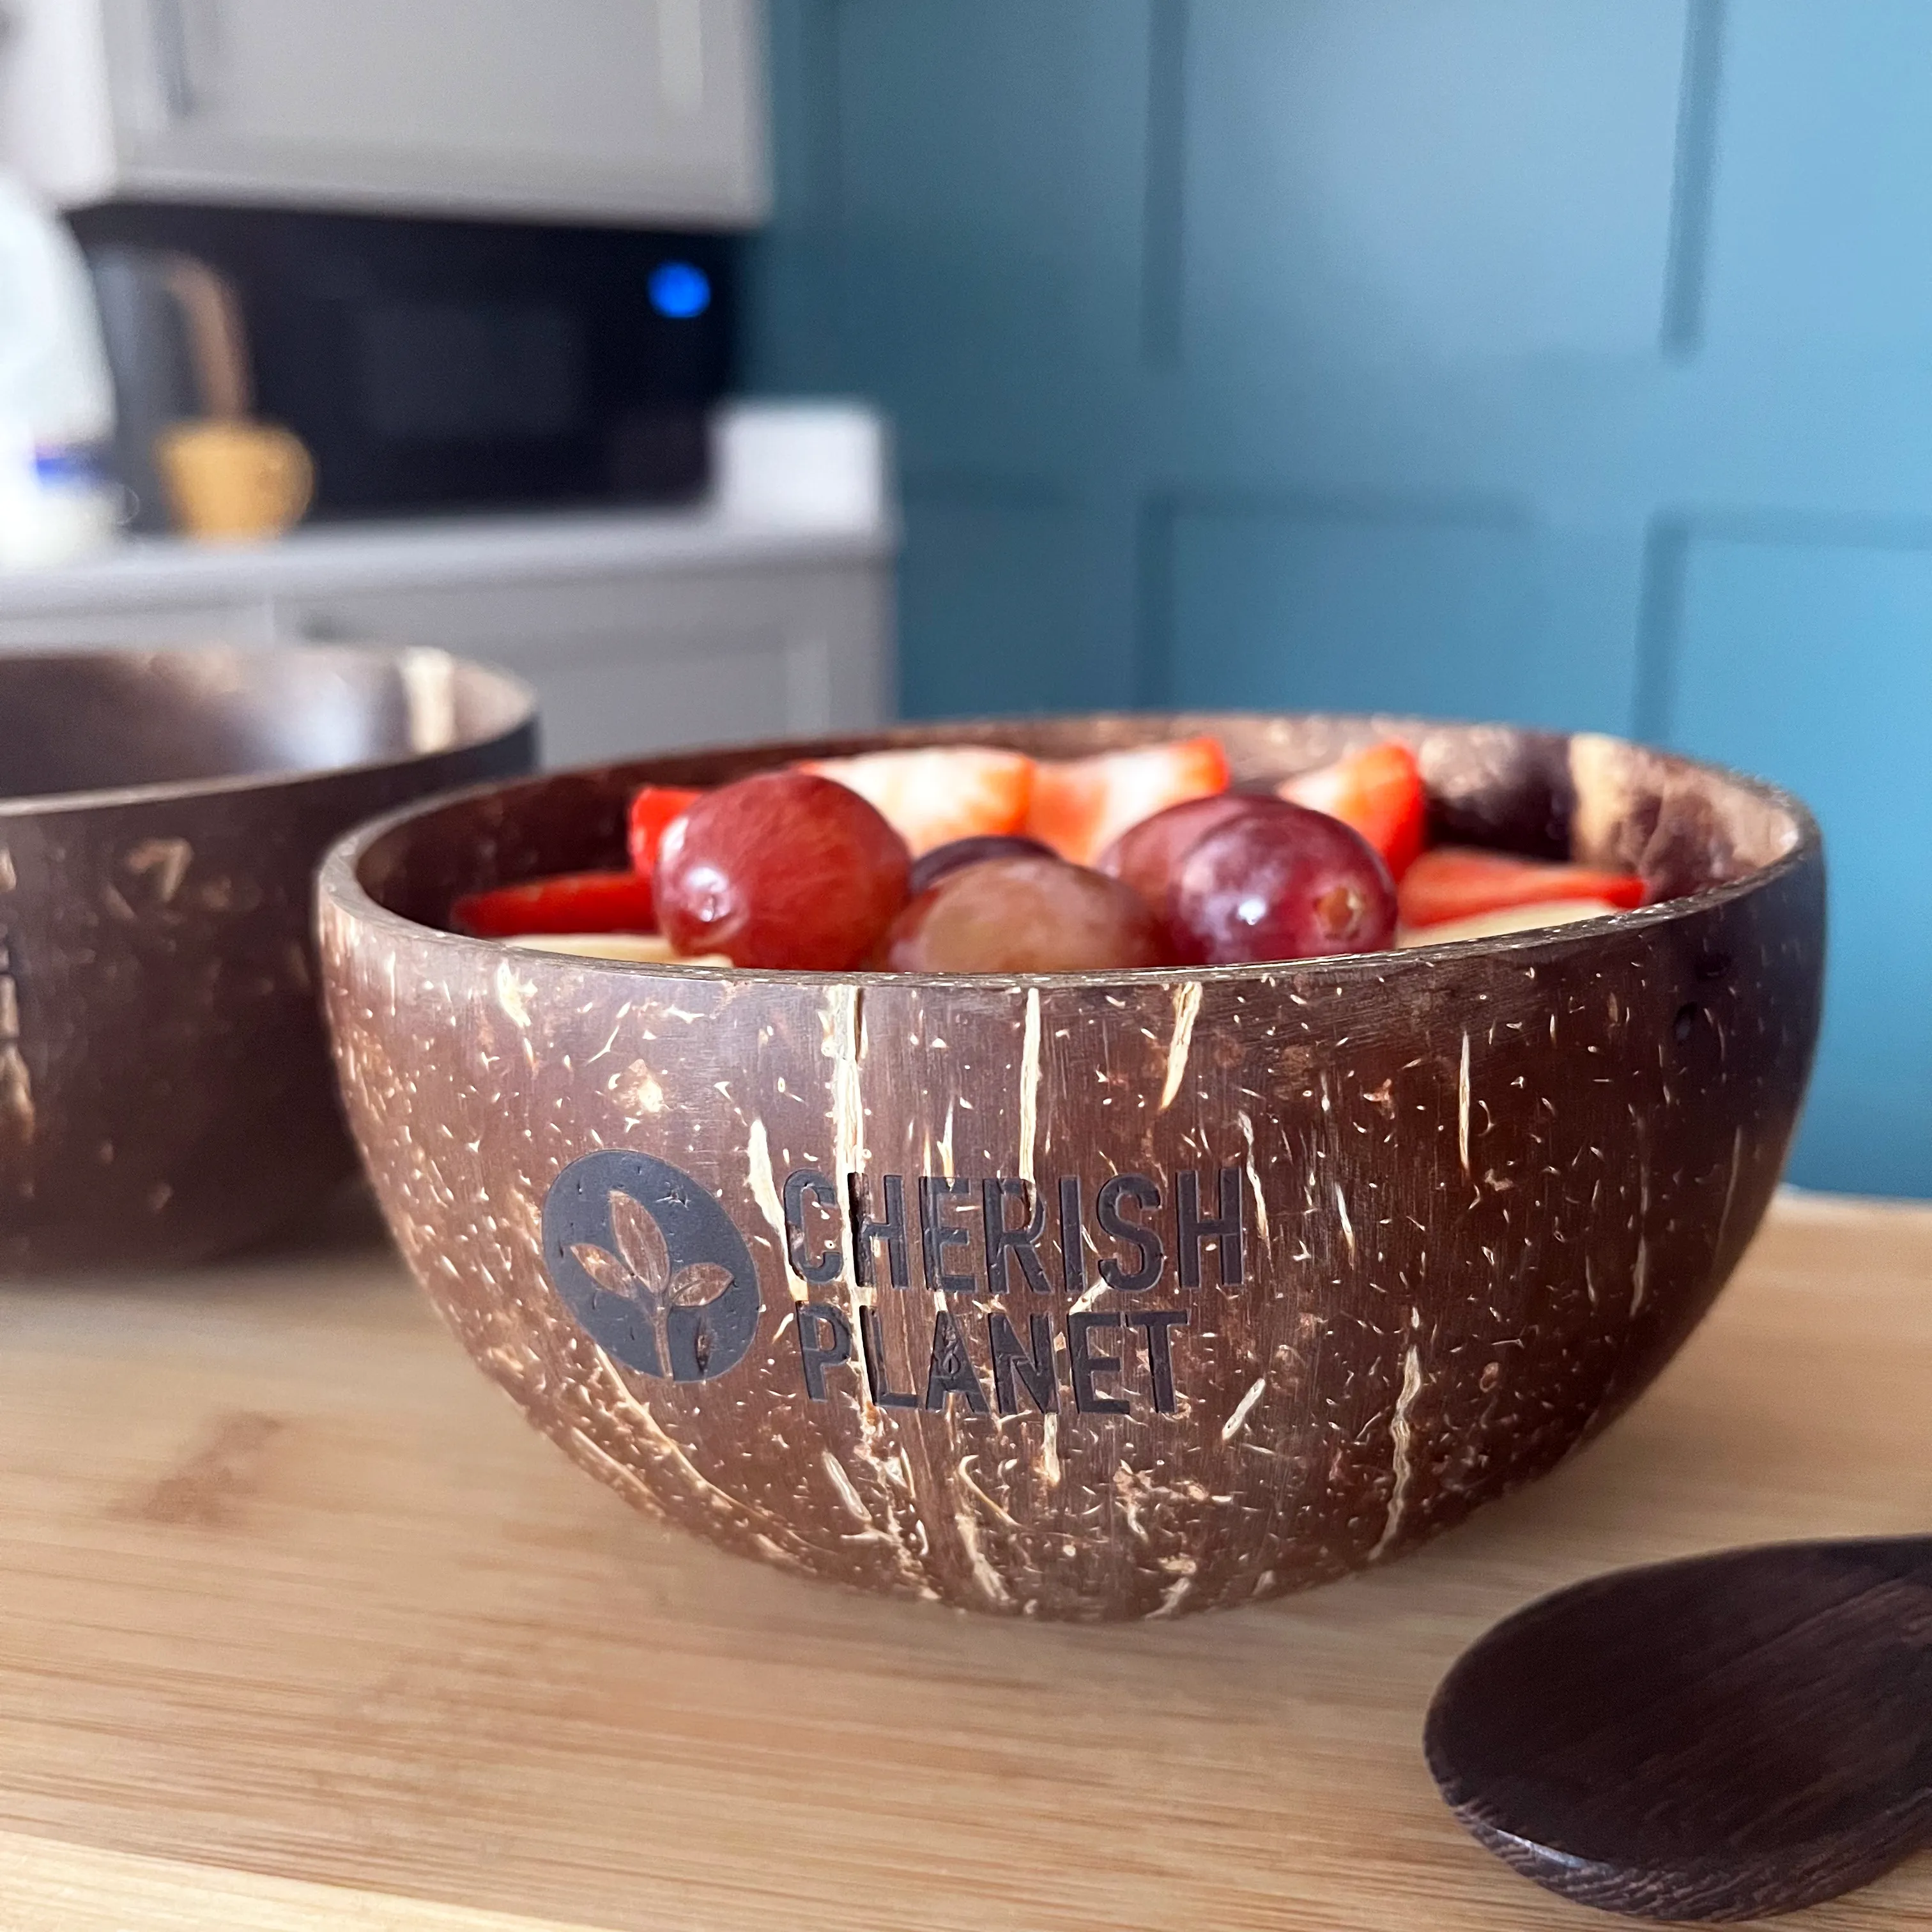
630	662
627	110
244	620
765	613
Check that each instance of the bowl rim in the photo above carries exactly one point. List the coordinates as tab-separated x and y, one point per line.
338	883
520	699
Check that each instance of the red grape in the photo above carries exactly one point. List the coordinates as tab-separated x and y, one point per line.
1146	855
785	869
1024	915
1280	882
929	868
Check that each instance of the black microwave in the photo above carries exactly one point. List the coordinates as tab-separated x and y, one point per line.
429	365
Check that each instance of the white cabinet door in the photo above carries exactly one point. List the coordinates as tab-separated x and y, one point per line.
621	108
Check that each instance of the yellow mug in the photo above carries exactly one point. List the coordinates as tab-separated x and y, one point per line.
228	482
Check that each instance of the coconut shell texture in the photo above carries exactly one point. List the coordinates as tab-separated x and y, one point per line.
1290	1268
166	1091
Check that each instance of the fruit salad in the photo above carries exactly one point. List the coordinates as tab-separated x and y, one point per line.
961	858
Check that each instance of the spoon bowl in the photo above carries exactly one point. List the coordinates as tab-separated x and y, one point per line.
1718	1738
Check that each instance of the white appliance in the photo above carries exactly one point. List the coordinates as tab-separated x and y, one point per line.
766	612
638	111
57	499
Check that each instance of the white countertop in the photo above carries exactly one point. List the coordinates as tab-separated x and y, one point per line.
794	482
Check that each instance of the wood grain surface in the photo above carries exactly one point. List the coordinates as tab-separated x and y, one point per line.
300	1626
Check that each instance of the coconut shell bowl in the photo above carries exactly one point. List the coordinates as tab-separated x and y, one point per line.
166	1093
1291	1267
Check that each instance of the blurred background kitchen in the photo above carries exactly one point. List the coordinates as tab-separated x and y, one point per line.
730	370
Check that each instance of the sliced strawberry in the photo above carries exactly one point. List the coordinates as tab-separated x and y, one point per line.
638	949
1459	882
566	902
1499	925
653	807
1379	792
1081	805
931	797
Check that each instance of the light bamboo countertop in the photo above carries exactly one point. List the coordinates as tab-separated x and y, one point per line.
300	1628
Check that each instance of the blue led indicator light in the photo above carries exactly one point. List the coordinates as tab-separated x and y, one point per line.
679	290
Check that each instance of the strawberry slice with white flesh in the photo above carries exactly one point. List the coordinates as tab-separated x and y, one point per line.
1460	883
1377	792
932	795
1081	805
1504	922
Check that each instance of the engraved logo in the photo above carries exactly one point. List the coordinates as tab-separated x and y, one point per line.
651	1266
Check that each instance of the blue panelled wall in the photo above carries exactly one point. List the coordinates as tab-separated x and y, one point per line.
1568	361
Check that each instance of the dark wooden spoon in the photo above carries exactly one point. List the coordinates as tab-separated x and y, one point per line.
1732	1736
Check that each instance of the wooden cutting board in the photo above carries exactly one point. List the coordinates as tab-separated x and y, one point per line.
300	1626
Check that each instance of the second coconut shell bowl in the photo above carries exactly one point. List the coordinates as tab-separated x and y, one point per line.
166	1093
1325	1254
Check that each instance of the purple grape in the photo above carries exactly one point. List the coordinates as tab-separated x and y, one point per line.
1279	882
931	867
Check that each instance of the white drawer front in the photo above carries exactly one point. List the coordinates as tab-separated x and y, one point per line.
151	624
639	664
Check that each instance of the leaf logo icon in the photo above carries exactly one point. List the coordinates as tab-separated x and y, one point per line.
641	1271
651	1266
